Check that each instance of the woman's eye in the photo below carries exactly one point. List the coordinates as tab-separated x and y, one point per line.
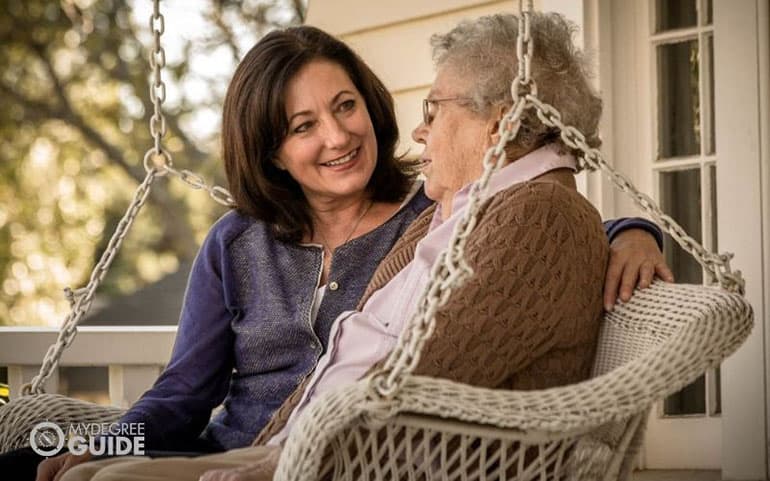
303	127
347	105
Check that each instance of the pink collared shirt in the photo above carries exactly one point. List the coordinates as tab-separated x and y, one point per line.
359	339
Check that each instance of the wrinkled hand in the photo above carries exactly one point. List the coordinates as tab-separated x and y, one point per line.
52	469
634	259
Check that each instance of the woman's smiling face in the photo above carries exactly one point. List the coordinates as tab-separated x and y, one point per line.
330	148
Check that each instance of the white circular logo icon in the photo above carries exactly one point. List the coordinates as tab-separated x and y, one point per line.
46	438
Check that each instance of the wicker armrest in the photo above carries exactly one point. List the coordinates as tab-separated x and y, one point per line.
18	417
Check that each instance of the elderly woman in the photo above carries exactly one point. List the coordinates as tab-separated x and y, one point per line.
318	208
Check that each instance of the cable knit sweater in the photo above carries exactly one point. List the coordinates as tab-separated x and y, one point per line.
529	316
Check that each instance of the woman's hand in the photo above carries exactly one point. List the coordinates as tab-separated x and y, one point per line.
634	259
52	469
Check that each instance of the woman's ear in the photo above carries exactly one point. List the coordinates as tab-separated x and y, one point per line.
279	164
497	112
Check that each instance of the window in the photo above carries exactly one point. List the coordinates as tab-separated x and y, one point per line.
684	164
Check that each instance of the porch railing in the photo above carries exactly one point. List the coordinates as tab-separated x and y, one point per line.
134	356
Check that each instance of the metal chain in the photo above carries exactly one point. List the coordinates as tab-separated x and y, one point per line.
82	299
158	156
157	86
157	162
450	270
717	265
523	83
195	181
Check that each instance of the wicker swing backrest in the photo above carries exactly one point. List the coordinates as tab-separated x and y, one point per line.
654	345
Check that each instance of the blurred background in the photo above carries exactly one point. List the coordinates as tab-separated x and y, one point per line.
75	102
687	118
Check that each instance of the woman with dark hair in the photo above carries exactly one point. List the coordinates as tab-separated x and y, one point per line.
309	140
309	135
256	126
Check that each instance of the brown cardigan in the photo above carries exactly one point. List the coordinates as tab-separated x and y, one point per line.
528	318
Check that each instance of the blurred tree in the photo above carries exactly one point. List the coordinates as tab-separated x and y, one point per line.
73	131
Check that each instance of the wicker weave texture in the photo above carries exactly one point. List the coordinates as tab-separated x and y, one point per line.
650	347
18	417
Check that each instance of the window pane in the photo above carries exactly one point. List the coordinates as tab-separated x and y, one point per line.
678	97
709	12
673	14
690	400
680	195
680	198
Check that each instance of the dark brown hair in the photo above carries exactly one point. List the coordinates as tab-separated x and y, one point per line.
254	125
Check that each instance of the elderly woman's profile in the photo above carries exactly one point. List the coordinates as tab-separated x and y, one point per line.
307	284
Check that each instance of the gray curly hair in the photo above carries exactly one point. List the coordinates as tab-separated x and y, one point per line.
484	50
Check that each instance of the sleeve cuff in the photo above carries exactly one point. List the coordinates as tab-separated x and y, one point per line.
616	226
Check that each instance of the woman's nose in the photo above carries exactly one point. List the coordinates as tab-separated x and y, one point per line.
336	135
419	133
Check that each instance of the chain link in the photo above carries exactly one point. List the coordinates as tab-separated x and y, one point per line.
449	271
523	84
219	194
157	157
157	86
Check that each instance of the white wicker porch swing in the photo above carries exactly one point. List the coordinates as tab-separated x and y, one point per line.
395	425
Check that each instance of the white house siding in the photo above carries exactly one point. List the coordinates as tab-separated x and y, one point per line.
392	37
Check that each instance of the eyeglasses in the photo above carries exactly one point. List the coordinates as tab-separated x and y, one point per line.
429	107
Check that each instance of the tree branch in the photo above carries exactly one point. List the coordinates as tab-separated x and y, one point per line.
299	11
215	15
178	229
68	114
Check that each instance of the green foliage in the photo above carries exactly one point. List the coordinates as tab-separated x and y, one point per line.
73	132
